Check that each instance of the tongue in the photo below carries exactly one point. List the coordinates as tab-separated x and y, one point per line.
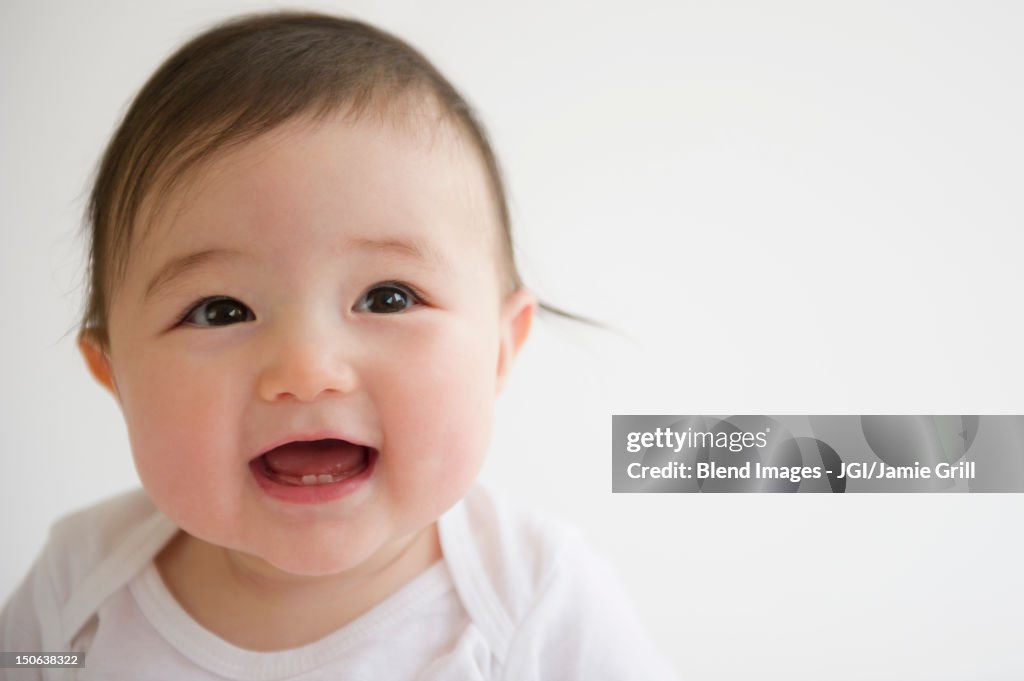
333	457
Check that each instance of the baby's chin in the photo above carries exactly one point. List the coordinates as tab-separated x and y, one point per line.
356	556
293	566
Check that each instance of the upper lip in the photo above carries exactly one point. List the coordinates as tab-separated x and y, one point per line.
312	437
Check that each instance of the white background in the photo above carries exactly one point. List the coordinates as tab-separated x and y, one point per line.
784	207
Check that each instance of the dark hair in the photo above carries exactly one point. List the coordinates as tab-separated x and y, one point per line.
242	78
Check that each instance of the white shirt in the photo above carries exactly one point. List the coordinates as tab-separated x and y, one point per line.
514	597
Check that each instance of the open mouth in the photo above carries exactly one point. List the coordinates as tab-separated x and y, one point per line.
314	463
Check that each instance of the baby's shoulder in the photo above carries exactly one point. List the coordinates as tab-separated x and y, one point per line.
507	531
542	597
507	557
85	537
95	528
94	551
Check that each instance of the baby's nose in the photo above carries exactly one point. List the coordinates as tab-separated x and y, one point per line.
304	367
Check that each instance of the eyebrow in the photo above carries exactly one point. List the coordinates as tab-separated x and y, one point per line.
402	248
181	265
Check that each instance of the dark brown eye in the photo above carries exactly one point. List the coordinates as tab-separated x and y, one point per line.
387	299
218	312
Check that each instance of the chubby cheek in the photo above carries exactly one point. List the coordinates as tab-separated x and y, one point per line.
181	423
436	407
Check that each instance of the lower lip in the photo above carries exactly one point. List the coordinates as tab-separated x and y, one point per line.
312	494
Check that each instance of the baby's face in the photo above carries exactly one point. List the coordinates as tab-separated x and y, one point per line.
353	273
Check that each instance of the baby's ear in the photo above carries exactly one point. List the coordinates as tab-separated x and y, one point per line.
98	361
516	319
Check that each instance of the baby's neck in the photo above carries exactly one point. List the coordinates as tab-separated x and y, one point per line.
236	605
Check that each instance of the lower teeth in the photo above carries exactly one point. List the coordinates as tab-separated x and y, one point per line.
311	479
322	479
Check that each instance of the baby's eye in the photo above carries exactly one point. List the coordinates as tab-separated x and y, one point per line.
388	299
218	312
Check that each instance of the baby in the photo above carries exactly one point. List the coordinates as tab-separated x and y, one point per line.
303	297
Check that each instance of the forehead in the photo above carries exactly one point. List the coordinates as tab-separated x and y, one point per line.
416	179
